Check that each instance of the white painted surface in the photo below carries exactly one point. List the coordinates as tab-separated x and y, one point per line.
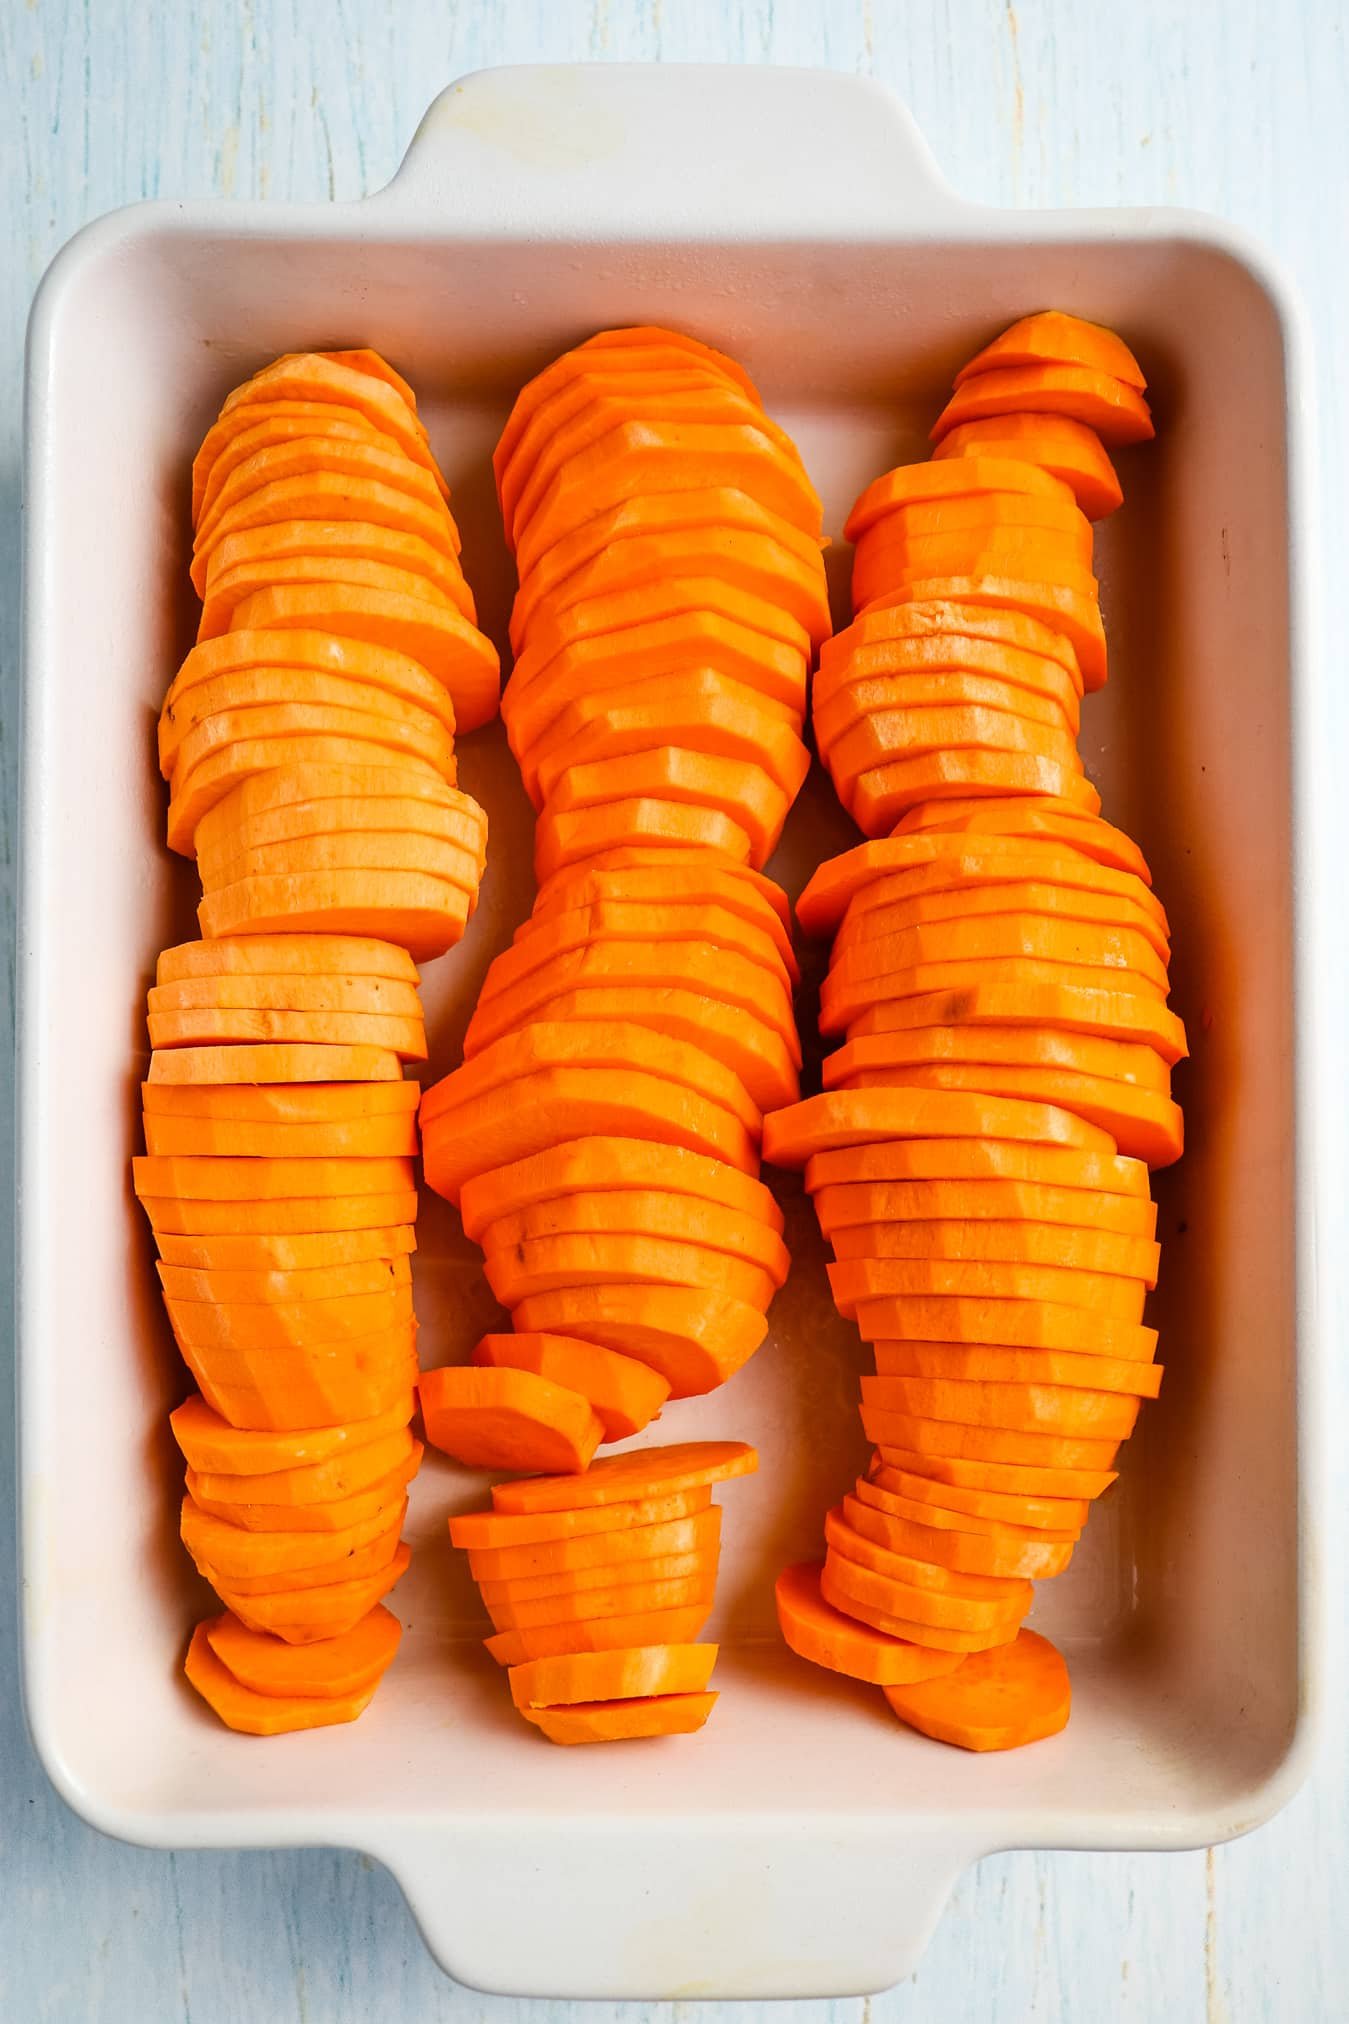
1072	103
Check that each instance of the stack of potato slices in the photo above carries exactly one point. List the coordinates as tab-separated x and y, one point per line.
598	1585
308	741
602	1136
979	1154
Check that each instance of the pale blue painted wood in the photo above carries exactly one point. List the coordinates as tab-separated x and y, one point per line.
1237	108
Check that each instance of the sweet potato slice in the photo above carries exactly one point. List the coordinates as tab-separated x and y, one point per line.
967	1552
975	1158
1020	1323
561	840
507	1419
1116	410
558	1640
307	955
511	1532
318	494
304	1616
841	1119
975	477
1003	1403
616	1479
209	1443
623	1721
623	1394
698	1532
763	1057
874	1204
549	934
283	1558
939	859
1068	609
678	880
241	1707
260	548
207	1025
625	1598
887	1428
361	459
359	1564
227	590
241	761
226	836
234	438
992	937
426	915
594	1164
374	1275
863	702
573	1259
754	564
589	1047
173	1216
348	849
239	1251
857	1282
1003	510
971	1362
1065	449
1142	1122
275	1063
352	1394
703	712
934	1608
883	566
735	788
883	795
634	1674
318	1322
391	1136
654	457
1065	1513
267	687
289	1526
1002	1478
647	1213
1037	997
702	967
442	639
997	1593
999	1700
335	1666
1083	1249
1053	337
289	991
816	1630
245	1180
695	1338
925	900
575	1585
669	860
345	1473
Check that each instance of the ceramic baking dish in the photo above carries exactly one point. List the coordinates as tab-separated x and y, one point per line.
803	1844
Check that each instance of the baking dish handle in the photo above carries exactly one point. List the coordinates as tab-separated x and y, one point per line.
616	151
728	1910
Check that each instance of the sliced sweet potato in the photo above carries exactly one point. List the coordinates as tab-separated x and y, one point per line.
239	1251
1067	609
574	1259
684	880
318	494
873	1204
629	1598
974	1158
374	1275
695	1338
391	1136
1003	1318
241	1707
634	1674
1066	1514
207	1025
493	1531
975	477
350	1394
173	1216
361	381
288	1526
970	1361
246	1555
1053	337
593	1049
817	1631
884	563
970	1552
209	1443
232	765
350	850
932	1607
1065	449
1142	1122
425	915
702	712
1001	1700
623	1394
699	1532
667	860
558	1640
561	840
270	1325
924	900
545	682
335	1666
1082	1249
507	1419
259	548
303	1616
578	1583
281	1062
881	797
1001	1478
858	1282
267	687
1116	411
991	937
841	1119
888	1428
735	788
231	441
1035	998
256	1180
1000	1593
595	1163
647	1213
549	934
702	967
442	639
1003	1403
623	1721
358	1565
359	459
345	1473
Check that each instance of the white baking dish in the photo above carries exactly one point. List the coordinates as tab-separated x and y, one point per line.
804	1844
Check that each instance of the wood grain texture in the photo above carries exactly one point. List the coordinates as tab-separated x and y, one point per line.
1063	102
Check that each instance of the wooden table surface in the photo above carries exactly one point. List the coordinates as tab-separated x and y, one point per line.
1237	108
